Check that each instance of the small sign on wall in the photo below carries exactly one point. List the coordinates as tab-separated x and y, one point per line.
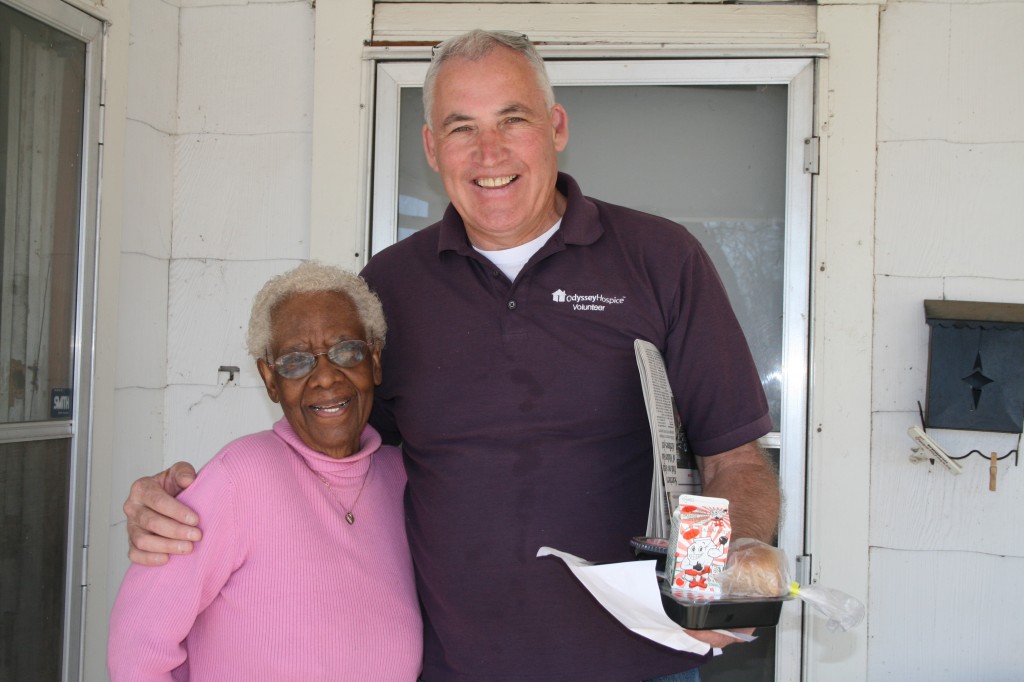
60	403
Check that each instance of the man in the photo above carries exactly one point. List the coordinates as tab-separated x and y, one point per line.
520	413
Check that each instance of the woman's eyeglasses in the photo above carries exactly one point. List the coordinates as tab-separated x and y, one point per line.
342	354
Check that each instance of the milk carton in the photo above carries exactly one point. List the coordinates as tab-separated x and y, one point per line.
699	545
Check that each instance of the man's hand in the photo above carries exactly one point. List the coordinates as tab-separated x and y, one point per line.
718	640
159	525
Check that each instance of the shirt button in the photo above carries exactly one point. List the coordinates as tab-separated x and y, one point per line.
512	305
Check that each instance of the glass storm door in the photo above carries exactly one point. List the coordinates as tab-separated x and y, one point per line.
716	145
49	105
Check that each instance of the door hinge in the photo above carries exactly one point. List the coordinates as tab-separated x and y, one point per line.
811	155
803	570
85	566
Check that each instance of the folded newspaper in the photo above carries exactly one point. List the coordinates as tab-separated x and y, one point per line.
675	470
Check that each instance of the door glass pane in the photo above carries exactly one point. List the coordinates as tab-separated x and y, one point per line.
712	158
34	485
42	76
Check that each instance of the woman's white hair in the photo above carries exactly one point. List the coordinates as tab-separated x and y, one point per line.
309	278
477	44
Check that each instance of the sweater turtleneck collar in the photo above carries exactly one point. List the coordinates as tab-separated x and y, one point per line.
343	471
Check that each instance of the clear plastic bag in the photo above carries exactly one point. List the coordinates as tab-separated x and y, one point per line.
842	610
756	569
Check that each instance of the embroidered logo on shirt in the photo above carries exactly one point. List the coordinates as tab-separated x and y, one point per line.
586	301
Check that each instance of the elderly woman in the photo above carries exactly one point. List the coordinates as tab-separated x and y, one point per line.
304	570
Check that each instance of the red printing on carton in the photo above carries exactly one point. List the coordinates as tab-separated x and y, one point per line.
702	544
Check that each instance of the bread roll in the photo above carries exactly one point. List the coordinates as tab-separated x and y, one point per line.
755	570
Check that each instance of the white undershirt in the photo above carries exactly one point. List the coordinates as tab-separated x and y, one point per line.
511	261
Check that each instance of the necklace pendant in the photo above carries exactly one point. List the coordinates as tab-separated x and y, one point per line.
350	518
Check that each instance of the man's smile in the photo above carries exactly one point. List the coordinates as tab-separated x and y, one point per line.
495	182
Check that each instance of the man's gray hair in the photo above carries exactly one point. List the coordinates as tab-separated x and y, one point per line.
477	44
310	278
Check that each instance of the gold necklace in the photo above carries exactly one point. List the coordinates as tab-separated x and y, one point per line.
349	516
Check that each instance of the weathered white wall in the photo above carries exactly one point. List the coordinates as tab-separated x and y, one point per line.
215	201
216	197
946	554
150	126
240	207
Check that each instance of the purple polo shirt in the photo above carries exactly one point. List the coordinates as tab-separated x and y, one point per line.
522	421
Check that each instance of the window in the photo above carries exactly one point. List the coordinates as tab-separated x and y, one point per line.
49	109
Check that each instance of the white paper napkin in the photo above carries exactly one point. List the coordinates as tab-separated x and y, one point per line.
629	591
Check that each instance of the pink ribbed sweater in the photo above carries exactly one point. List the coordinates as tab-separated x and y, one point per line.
280	587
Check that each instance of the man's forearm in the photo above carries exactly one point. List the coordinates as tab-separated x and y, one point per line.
747	479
